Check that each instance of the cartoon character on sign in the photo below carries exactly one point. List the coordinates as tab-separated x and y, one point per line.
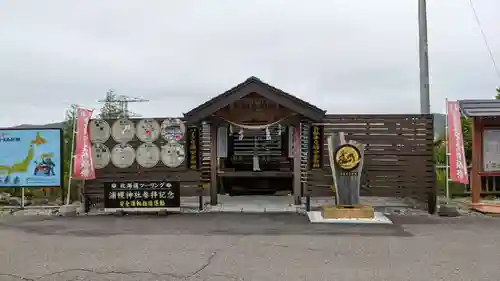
45	167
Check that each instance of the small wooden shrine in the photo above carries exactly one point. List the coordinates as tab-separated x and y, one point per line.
256	130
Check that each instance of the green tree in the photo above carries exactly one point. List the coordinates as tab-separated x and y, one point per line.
111	108
68	139
68	131
440	145
467	136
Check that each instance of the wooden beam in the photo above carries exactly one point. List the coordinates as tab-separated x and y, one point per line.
213	164
296	165
476	160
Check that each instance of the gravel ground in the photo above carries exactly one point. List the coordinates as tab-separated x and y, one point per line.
255	247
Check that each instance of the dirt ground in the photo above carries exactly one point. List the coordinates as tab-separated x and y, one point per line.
223	246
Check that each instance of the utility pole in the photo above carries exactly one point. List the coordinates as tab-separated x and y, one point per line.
425	103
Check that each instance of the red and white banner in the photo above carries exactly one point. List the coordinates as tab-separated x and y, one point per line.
458	163
83	166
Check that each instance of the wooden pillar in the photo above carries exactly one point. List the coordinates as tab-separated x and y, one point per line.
213	164
296	165
475	178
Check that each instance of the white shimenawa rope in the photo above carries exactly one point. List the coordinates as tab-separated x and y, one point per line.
255	158
255	127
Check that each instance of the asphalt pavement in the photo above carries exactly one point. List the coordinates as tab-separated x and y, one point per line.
225	246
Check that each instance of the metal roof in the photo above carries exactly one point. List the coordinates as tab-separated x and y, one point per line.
480	108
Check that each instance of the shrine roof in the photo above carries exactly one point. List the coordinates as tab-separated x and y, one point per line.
254	84
480	108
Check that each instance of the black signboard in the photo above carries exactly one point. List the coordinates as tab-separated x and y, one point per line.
151	194
193	148
316	145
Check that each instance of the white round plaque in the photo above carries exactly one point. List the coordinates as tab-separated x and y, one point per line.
148	130
122	155
147	155
100	155
99	131
172	154
173	129
123	130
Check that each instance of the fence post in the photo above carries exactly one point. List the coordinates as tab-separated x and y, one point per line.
432	202
22	198
200	202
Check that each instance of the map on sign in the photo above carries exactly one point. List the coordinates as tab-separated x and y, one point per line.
30	158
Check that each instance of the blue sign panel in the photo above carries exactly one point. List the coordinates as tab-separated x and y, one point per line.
31	158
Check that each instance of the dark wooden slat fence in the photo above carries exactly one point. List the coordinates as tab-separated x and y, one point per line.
398	155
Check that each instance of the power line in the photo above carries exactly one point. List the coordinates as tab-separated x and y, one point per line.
485	39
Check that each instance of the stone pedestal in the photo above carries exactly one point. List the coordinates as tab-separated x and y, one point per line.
448	211
348	212
68	210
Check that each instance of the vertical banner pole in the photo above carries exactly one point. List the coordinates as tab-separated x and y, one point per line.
71	159
447	156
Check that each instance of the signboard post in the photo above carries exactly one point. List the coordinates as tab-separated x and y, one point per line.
31	158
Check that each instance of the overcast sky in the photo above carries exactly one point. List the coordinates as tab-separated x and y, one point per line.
346	56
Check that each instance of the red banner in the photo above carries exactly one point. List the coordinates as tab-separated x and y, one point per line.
458	163
83	166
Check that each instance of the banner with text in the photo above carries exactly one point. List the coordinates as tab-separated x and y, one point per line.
83	166
458	163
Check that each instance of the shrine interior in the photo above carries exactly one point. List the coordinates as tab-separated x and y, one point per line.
255	147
